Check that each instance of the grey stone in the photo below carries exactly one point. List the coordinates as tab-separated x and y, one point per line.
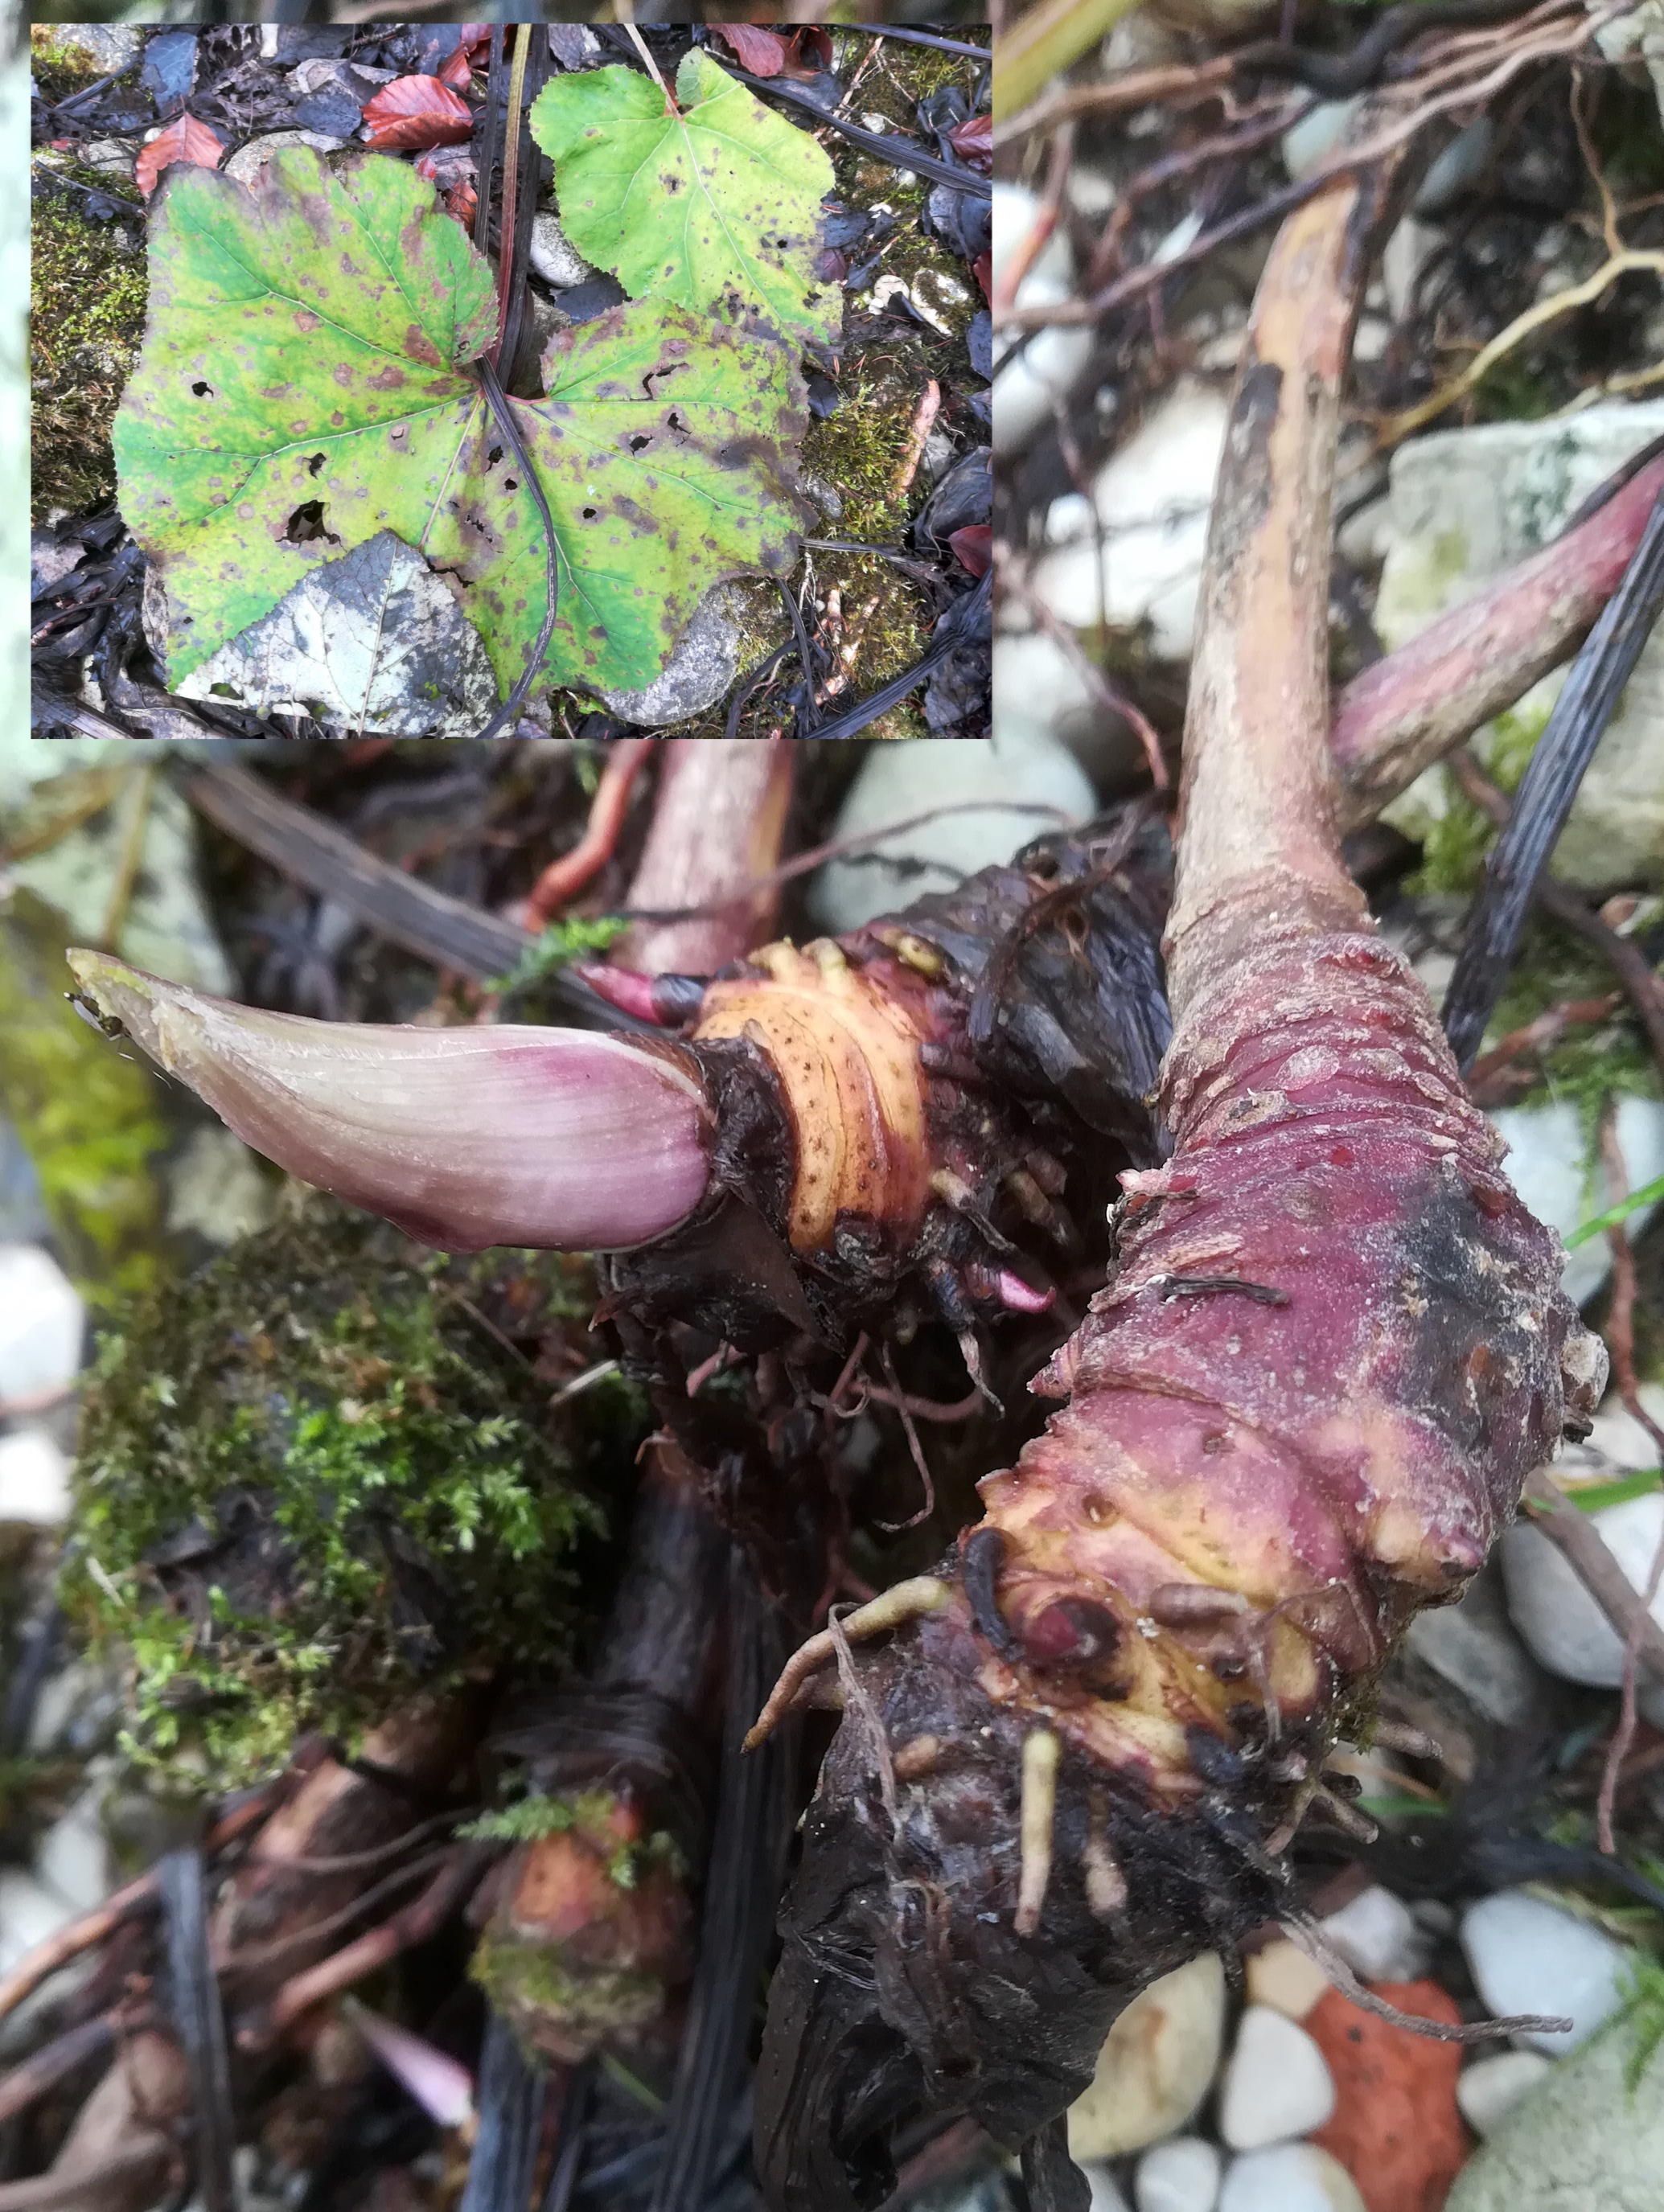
1473	1648
246	164
1587	2139
1466	504
1528	1956
111	46
333	113
373	641
1549	1164
1038	786
703	664
166	928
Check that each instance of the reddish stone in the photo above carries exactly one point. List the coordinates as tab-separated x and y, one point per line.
1396	2128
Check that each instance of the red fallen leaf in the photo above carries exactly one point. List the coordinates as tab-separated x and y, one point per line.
183	139
417	110
813	41
762	52
453	172
458	71
983	270
975	139
829	265
974	544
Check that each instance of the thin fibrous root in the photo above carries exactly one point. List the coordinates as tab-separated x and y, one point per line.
1106	1884
1040	1750
1305	1934
908	1600
1397	1735
1345	1817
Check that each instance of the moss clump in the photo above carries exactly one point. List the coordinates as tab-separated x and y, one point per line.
86	1113
88	302
1456	842
321	1475
59	65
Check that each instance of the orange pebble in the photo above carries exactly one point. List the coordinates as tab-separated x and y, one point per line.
1396	2128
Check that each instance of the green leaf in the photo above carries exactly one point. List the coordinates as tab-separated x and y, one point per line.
305	358
1649	1194
1595	1496
717	207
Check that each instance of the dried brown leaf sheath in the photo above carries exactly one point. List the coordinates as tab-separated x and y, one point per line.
1333	1346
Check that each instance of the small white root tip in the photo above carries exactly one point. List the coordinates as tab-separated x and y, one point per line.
908	1600
1040	1752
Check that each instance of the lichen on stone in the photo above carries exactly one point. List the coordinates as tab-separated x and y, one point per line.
323	1474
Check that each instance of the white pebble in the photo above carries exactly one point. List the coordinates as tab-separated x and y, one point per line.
1106	2196
1285	1977
1027	388
1308	144
1547	1164
554	257
1527	1956
42	1322
29	1913
1548	1603
1277	2085
1377	1935
897	782
1154	497
1488	2090
1182	2175
34	1480
1156	2064
1291	2178
1617	1436
73	1858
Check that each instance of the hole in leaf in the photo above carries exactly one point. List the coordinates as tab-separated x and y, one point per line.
203	391
494	457
639	444
224	691
674	420
589	514
306	524
511	483
315	464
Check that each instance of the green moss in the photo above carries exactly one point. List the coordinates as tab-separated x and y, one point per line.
87	1115
316	1478
592	1814
59	66
1455	844
1588	1066
87	298
529	1984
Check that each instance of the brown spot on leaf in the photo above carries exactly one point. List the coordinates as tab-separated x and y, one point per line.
420	347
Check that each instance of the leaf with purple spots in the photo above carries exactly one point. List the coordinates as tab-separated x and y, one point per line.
304	385
716	207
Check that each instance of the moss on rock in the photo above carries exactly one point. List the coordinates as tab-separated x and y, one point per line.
321	1475
87	298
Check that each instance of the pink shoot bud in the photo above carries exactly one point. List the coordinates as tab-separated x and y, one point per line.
461	1137
440	2084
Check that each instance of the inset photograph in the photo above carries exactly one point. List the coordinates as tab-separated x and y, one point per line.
440	379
